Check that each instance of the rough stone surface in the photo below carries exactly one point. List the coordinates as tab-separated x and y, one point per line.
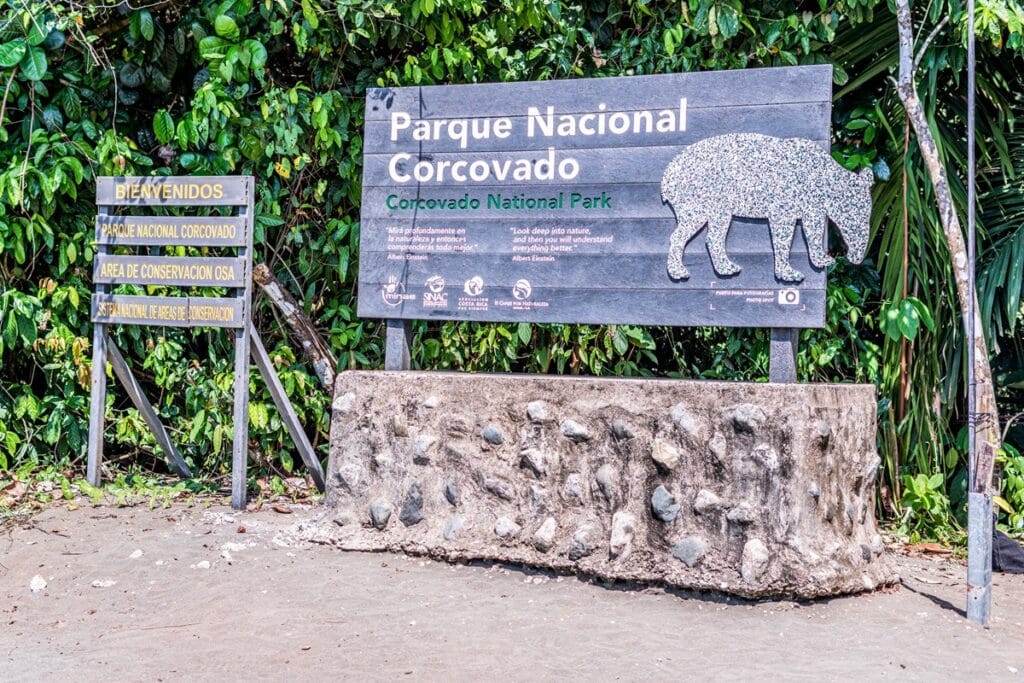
537	411
506	528
754	561
758	448
664	504
380	513
690	550
580	546
623	430
623	531
544	537
493	435
665	454
412	507
574	431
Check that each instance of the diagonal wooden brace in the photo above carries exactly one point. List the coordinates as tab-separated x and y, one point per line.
124	374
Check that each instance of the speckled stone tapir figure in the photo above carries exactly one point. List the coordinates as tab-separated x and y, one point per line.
759	176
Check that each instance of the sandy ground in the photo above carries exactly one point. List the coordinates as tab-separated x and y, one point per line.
185	594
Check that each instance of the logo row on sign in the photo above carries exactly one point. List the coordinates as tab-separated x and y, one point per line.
394	293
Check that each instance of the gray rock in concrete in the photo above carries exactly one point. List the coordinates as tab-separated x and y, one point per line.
580	546
538	499
421	448
623	430
865	552
343	404
754	561
606	477
741	514
505	528
707	502
536	460
430	402
623	530
663	504
766	456
664	454
746	418
690	550
537	411
824	432
412	506
573	489
451	492
345	518
492	434
399	426
453	526
544	537
382	461
349	476
574	431
459	452
814	491
500	488
683	419
380	513
718	447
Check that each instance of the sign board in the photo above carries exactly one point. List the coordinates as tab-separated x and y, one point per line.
230	273
551	201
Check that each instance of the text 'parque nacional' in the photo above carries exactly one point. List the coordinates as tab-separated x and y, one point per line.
537	124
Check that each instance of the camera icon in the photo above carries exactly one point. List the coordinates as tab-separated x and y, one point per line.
789	297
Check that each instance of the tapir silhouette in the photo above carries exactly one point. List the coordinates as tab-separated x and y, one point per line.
746	175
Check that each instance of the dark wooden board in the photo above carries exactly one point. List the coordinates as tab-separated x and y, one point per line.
195	231
801	120
776	85
172	191
607	165
184	271
690	307
562	238
167	311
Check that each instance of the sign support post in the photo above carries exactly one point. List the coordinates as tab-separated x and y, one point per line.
234	312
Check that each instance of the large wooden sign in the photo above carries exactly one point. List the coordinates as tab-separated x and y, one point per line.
548	202
230	274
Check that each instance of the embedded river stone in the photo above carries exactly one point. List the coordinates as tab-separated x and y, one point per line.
772	493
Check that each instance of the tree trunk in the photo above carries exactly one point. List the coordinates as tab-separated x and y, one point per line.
324	363
985	411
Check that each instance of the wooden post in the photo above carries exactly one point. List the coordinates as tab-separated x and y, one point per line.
284	407
782	354
396	350
240	422
98	384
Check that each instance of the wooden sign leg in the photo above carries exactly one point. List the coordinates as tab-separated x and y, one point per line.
97	403
287	412
124	373
240	424
396	349
782	354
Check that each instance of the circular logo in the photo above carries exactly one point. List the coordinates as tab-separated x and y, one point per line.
435	284
474	286
392	292
522	289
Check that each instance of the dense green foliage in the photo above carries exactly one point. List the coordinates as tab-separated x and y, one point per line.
274	88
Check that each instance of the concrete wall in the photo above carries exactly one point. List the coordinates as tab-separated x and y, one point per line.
750	489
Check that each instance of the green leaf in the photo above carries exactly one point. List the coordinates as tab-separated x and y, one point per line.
33	64
11	52
225	27
258	54
145	24
525	333
163	126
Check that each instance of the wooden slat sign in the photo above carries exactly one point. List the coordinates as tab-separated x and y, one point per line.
167	311
171	191
544	201
181	271
193	231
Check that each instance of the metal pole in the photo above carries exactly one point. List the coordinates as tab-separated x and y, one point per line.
979	500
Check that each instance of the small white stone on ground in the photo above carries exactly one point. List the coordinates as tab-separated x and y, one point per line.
136	554
103	583
37	584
